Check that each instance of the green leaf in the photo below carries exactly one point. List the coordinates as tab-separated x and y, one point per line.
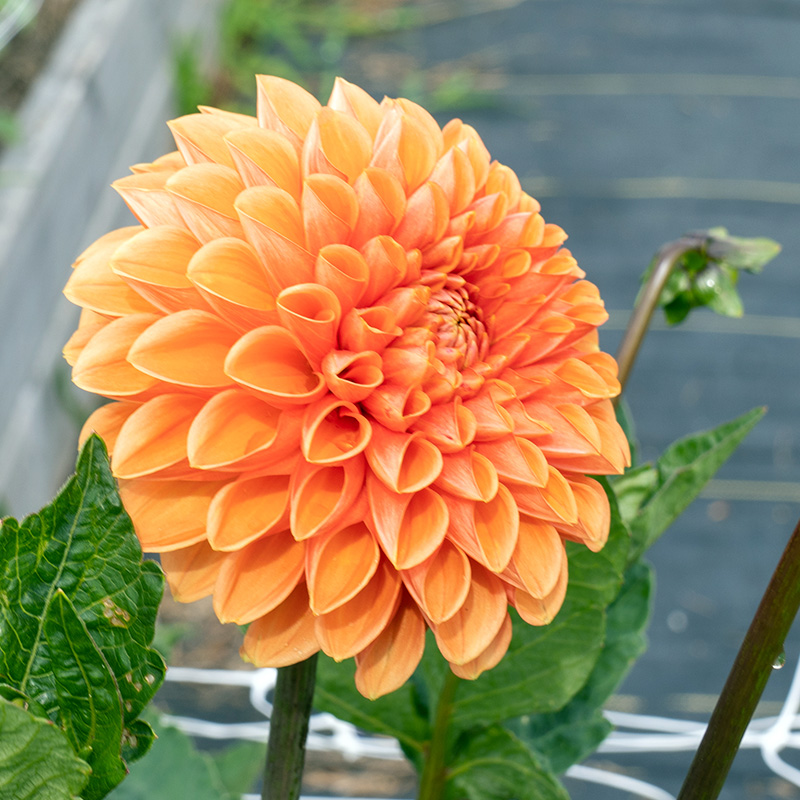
633	488
36	759
715	287
90	706
239	766
496	765
137	739
84	545
682	471
750	254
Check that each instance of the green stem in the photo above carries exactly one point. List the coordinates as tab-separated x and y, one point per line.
665	261
434	775
288	729
762	646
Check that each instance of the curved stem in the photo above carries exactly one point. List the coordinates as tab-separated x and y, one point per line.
665	261
434	774
762	645
286	749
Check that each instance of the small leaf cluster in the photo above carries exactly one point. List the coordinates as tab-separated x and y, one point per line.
77	617
708	274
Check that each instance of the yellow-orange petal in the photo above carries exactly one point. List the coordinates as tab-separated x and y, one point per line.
204	195
265	158
542	611
381	204
594	515
368	329
465	635
200	137
486	531
352	376
89	324
166	163
258	578
146	196
192	571
326	497
353	100
247	509
103	367
237	431
153	437
284	635
333	431
489	658
553	502
397	407
339	565
336	144
454	174
312	313
269	362
168	515
388	266
344	271
469	475
410	527
154	262
108	243
187	348
440	584
404	462
387	663
348	629
273	224
106	422
229	276
426	217
285	107
450	426
330	211
538	556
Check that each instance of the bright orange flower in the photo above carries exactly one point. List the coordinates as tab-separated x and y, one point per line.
356	382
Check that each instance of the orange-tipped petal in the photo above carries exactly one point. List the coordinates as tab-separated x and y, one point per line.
330	211
312	313
200	137
270	362
258	578
333	431
106	422
391	659
404	462
538	556
451	426
146	196
426	217
108	243
489	658
344	271
283	636
388	266
472	628
336	144
397	407
348	629
594	515
542	611
247	509
368	329
410	527
284	107
339	565
187	348
352	376
381	204
192	571
553	502
454	174
353	100
517	460
265	158
492	420
440	584
469	475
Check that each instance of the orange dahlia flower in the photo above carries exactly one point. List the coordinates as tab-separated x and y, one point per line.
356	382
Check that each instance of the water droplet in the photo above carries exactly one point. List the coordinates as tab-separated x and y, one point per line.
780	660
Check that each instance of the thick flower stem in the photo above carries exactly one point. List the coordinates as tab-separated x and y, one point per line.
665	261
434	775
286	750
762	646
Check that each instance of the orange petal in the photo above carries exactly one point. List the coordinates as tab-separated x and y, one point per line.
489	658
103	368
381	204
485	531
388	266
265	158
324	498
391	659
344	271
258	578
284	635
440	584
270	362
542	611
404	462
200	137
368	329
146	196
238	431
108	243
230	277
554	502
472	628
469	475
339	565
397	407
348	629
154	436
493	421
503	179
426	217
465	137
168	515
187	348
516	460
285	107
410	527
106	422
312	313
352	376
450	426
353	100
454	174
333	431
247	509
192	571
336	144
330	211
594	515
170	162
205	194
536	563
273	225
154	262
90	323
